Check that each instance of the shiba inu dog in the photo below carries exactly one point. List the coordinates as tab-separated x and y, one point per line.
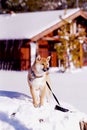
37	77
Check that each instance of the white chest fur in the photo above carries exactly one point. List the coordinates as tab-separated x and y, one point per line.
38	83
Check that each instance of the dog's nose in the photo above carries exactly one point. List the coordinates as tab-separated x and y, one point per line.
45	69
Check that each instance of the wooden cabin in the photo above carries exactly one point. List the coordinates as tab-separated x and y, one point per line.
46	44
19	31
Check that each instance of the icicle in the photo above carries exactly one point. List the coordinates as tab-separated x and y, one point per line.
6	45
20	44
12	47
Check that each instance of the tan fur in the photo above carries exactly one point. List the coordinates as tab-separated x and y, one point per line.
37	77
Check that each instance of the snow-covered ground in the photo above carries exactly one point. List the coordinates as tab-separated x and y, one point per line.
70	88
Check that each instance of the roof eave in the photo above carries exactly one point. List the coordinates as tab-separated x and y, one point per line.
59	24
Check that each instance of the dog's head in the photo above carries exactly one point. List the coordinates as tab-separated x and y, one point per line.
42	64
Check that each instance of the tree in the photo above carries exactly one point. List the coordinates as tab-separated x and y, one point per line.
15	5
38	5
22	5
68	48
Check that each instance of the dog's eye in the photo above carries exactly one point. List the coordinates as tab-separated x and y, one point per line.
42	63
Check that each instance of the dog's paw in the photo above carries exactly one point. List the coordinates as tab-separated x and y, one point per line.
35	105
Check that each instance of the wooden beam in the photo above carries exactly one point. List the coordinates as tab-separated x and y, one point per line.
56	38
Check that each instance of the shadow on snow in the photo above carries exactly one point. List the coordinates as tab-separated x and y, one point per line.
12	94
12	122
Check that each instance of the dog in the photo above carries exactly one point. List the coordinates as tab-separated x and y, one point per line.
83	125
38	74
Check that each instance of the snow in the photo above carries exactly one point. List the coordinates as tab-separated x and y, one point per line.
17	111
28	25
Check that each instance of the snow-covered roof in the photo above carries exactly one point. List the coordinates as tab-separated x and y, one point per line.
28	25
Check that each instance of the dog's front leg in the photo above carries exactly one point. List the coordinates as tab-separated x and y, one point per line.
32	90
42	96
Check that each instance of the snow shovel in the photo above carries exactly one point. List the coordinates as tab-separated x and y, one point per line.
57	107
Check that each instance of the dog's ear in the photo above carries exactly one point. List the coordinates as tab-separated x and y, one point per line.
38	58
48	58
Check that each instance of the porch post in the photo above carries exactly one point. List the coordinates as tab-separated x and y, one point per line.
33	52
81	55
